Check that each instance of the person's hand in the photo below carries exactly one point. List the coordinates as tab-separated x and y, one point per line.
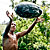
40	19
8	14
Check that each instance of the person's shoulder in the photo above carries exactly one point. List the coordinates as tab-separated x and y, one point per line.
18	33
5	37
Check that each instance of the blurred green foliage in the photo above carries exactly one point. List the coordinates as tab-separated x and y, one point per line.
2	27
38	38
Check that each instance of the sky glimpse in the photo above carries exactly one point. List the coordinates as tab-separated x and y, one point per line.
4	6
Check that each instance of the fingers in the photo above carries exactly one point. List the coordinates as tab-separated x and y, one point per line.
7	13
12	15
39	18
42	19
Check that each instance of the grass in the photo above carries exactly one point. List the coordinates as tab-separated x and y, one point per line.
2	28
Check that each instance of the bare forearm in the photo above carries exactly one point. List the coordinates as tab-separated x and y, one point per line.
31	27
7	28
28	30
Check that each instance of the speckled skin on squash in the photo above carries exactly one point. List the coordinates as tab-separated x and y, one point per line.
28	10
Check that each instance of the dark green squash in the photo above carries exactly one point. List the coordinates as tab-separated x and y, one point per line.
28	10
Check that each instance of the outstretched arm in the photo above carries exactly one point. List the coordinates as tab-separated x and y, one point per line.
20	34
8	26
